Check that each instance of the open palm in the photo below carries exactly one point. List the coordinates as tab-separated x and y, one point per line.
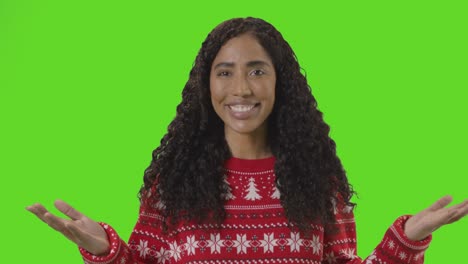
427	221
83	231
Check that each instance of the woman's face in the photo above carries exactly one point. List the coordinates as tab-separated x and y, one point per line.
242	85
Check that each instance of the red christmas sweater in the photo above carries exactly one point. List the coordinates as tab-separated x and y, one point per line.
254	231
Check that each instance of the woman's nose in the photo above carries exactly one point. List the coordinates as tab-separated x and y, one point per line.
241	87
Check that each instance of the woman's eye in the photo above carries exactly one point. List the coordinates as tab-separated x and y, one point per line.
258	72
224	73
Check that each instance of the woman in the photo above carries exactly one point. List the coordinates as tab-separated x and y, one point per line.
247	173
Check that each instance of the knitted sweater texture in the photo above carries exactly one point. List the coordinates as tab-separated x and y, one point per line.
254	231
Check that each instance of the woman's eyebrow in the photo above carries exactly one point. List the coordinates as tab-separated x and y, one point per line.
257	63
224	64
249	64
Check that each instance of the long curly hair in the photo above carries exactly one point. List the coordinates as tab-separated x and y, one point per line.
186	171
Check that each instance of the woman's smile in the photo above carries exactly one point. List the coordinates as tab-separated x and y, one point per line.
243	112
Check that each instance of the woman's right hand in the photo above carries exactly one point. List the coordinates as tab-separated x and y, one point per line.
83	231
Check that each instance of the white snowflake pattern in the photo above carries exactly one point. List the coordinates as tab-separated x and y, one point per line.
316	245
215	243
268	243
191	245
295	242
175	251
241	243
163	255
349	253
391	244
143	248
402	255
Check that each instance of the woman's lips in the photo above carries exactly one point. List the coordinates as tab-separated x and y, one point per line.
243	112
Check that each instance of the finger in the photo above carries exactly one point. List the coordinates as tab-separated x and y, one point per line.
451	214
55	222
48	218
460	205
459	211
59	225
68	210
38	209
441	203
51	220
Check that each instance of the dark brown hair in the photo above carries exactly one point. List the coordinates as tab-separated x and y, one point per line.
186	172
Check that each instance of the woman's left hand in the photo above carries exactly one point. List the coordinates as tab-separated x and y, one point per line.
427	221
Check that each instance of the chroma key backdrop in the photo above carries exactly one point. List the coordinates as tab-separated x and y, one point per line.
87	89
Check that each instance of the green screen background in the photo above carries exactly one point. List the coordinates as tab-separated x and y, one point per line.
89	87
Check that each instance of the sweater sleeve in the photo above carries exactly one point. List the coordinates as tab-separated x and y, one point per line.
395	247
146	243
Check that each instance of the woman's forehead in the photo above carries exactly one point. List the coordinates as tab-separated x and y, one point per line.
241	50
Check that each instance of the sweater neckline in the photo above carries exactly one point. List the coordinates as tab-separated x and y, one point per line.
240	164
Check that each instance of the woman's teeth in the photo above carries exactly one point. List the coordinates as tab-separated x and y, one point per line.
241	108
